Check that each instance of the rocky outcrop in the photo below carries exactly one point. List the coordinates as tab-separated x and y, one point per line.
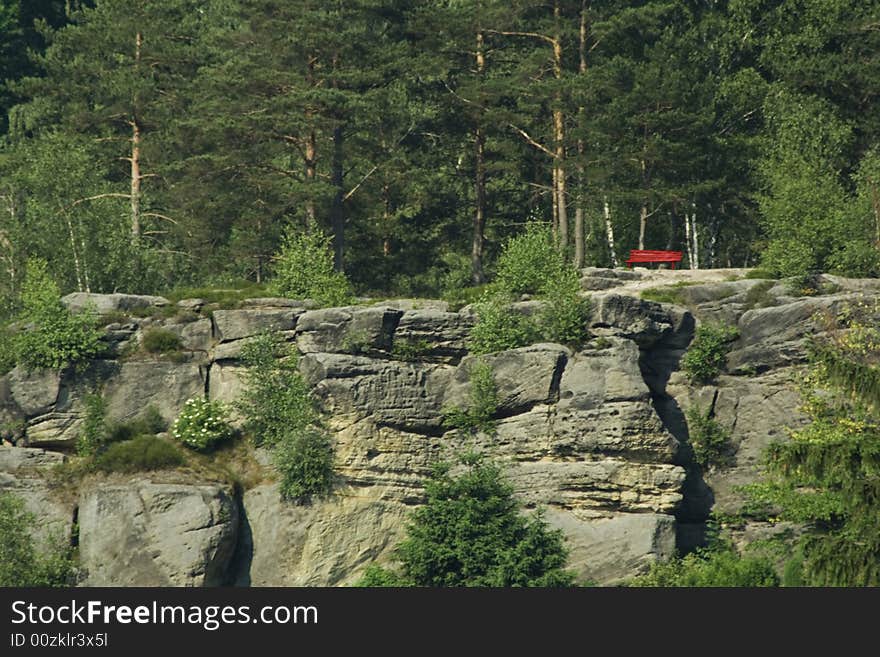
146	534
596	437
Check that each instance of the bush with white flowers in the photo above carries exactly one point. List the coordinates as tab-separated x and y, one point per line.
202	424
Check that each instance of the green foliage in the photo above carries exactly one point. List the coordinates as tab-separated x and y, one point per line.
304	270
827	476
149	423
708	438
410	350
54	338
7	350
499	327
202	424
529	262
160	341
225	297
276	400
707	355
719	566
856	259
666	293
21	562
464	296
93	432
563	318
470	532
377	577
478	417
140	454
305	462
279	411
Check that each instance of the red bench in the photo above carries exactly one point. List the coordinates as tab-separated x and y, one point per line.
636	255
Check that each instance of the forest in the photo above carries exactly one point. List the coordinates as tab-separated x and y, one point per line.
151	145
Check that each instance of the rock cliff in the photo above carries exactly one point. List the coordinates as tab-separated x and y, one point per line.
595	437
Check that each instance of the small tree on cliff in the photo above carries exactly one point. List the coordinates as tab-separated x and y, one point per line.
470	532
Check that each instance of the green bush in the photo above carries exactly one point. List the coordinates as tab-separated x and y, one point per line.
464	296
707	355
470	532
410	350
21	562
856	259
304	270
94	427
53	337
150	423
7	350
140	454
483	403
276	400
499	327
708	438
279	411
377	577
563	318
305	462
202	424
529	261
717	567
759	295
160	341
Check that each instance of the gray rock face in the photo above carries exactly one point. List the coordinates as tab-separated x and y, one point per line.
347	330
139	384
146	534
238	324
644	322
22	473
324	544
194	336
106	303
34	392
524	377
432	334
404	395
776	336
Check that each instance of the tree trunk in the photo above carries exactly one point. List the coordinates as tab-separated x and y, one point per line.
643	223
609	234
687	240
311	164
337	215
695	236
479	227
559	136
136	155
581	177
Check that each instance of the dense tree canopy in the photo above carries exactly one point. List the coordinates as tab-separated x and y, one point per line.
147	145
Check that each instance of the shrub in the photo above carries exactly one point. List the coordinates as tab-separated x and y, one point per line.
160	341
202	424
410	350
377	577
94	427
499	327
7	350
464	296
708	438
21	563
150	423
714	567
140	454
470	532
305	462
53	338
304	270
707	355
857	259
564	316
759	295
478	416
529	261
276	400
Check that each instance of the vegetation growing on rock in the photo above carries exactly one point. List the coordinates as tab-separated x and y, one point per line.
471	532
22	562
